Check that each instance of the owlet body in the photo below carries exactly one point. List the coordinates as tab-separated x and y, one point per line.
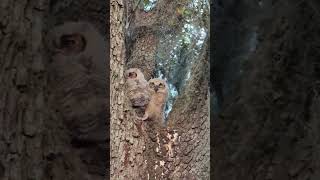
137	88
158	89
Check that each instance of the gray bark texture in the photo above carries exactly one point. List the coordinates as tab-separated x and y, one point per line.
53	107
146	149
268	127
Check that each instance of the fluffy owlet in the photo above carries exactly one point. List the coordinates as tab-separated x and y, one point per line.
137	88
78	78
158	89
78	88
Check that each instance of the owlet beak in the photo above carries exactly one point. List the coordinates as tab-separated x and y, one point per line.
156	88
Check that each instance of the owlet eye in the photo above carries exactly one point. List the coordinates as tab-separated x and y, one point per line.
151	85
132	75
72	43
161	85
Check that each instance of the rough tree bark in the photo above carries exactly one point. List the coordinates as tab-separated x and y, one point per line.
22	91
269	128
190	120
146	150
117	60
35	142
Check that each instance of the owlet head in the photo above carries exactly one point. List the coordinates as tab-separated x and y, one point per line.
158	86
133	73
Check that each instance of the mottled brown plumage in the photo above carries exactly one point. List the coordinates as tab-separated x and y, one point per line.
137	88
158	90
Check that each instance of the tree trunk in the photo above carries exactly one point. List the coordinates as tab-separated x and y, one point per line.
35	141
145	149
117	61
190	120
23	91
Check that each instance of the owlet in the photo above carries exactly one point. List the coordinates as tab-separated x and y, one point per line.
158	90
137	88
